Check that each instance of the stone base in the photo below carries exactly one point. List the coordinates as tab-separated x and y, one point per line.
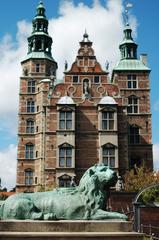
61	230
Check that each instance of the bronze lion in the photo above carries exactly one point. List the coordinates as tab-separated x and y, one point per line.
86	201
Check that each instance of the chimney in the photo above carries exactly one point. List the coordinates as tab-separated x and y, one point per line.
143	58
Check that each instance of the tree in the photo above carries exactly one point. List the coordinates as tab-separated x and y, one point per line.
138	178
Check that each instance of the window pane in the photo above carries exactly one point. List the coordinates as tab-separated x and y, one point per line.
68	162
135	109
62	124
104	124
105	151
111	124
75	79
112	151
69	124
61	183
112	162
104	115
111	115
134	84
68	183
96	79
69	115
62	152
62	115
62	162
129	84
105	161
68	152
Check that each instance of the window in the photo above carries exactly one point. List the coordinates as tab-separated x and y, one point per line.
108	120
75	79
37	67
109	155
30	106
29	151
28	177
31	86
96	79
64	181
30	126
65	120
134	137
65	156
132	81
133	104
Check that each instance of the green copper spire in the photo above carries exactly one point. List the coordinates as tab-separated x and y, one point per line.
39	43
128	47
40	10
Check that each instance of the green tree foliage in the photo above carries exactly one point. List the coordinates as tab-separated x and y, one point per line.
150	196
138	178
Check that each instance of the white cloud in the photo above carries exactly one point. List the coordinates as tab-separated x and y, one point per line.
156	156
10	70
8	166
104	25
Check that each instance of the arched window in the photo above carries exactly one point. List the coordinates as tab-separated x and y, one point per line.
30	126
65	155
30	106
133	104
108	155
134	136
31	86
65	181
28	176
29	151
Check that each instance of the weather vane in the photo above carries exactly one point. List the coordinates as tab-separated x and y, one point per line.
127	7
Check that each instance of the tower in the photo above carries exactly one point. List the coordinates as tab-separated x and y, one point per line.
38	68
132	77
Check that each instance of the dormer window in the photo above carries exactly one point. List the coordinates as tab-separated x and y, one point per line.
65	120
108	120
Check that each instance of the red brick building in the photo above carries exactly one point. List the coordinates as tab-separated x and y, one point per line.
64	128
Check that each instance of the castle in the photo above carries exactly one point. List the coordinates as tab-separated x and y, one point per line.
64	128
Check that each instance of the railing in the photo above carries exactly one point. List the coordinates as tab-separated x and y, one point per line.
150	231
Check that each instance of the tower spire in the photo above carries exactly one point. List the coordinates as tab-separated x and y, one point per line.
40	43
128	47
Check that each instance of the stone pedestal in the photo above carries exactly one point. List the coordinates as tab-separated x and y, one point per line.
61	230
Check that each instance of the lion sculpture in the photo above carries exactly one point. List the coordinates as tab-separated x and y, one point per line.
86	201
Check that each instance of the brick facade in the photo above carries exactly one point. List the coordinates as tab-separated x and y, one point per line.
64	128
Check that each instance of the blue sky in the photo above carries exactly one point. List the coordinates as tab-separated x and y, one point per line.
68	20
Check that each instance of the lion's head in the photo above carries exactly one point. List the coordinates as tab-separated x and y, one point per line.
95	184
101	176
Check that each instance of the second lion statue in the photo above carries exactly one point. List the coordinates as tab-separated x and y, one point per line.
86	201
